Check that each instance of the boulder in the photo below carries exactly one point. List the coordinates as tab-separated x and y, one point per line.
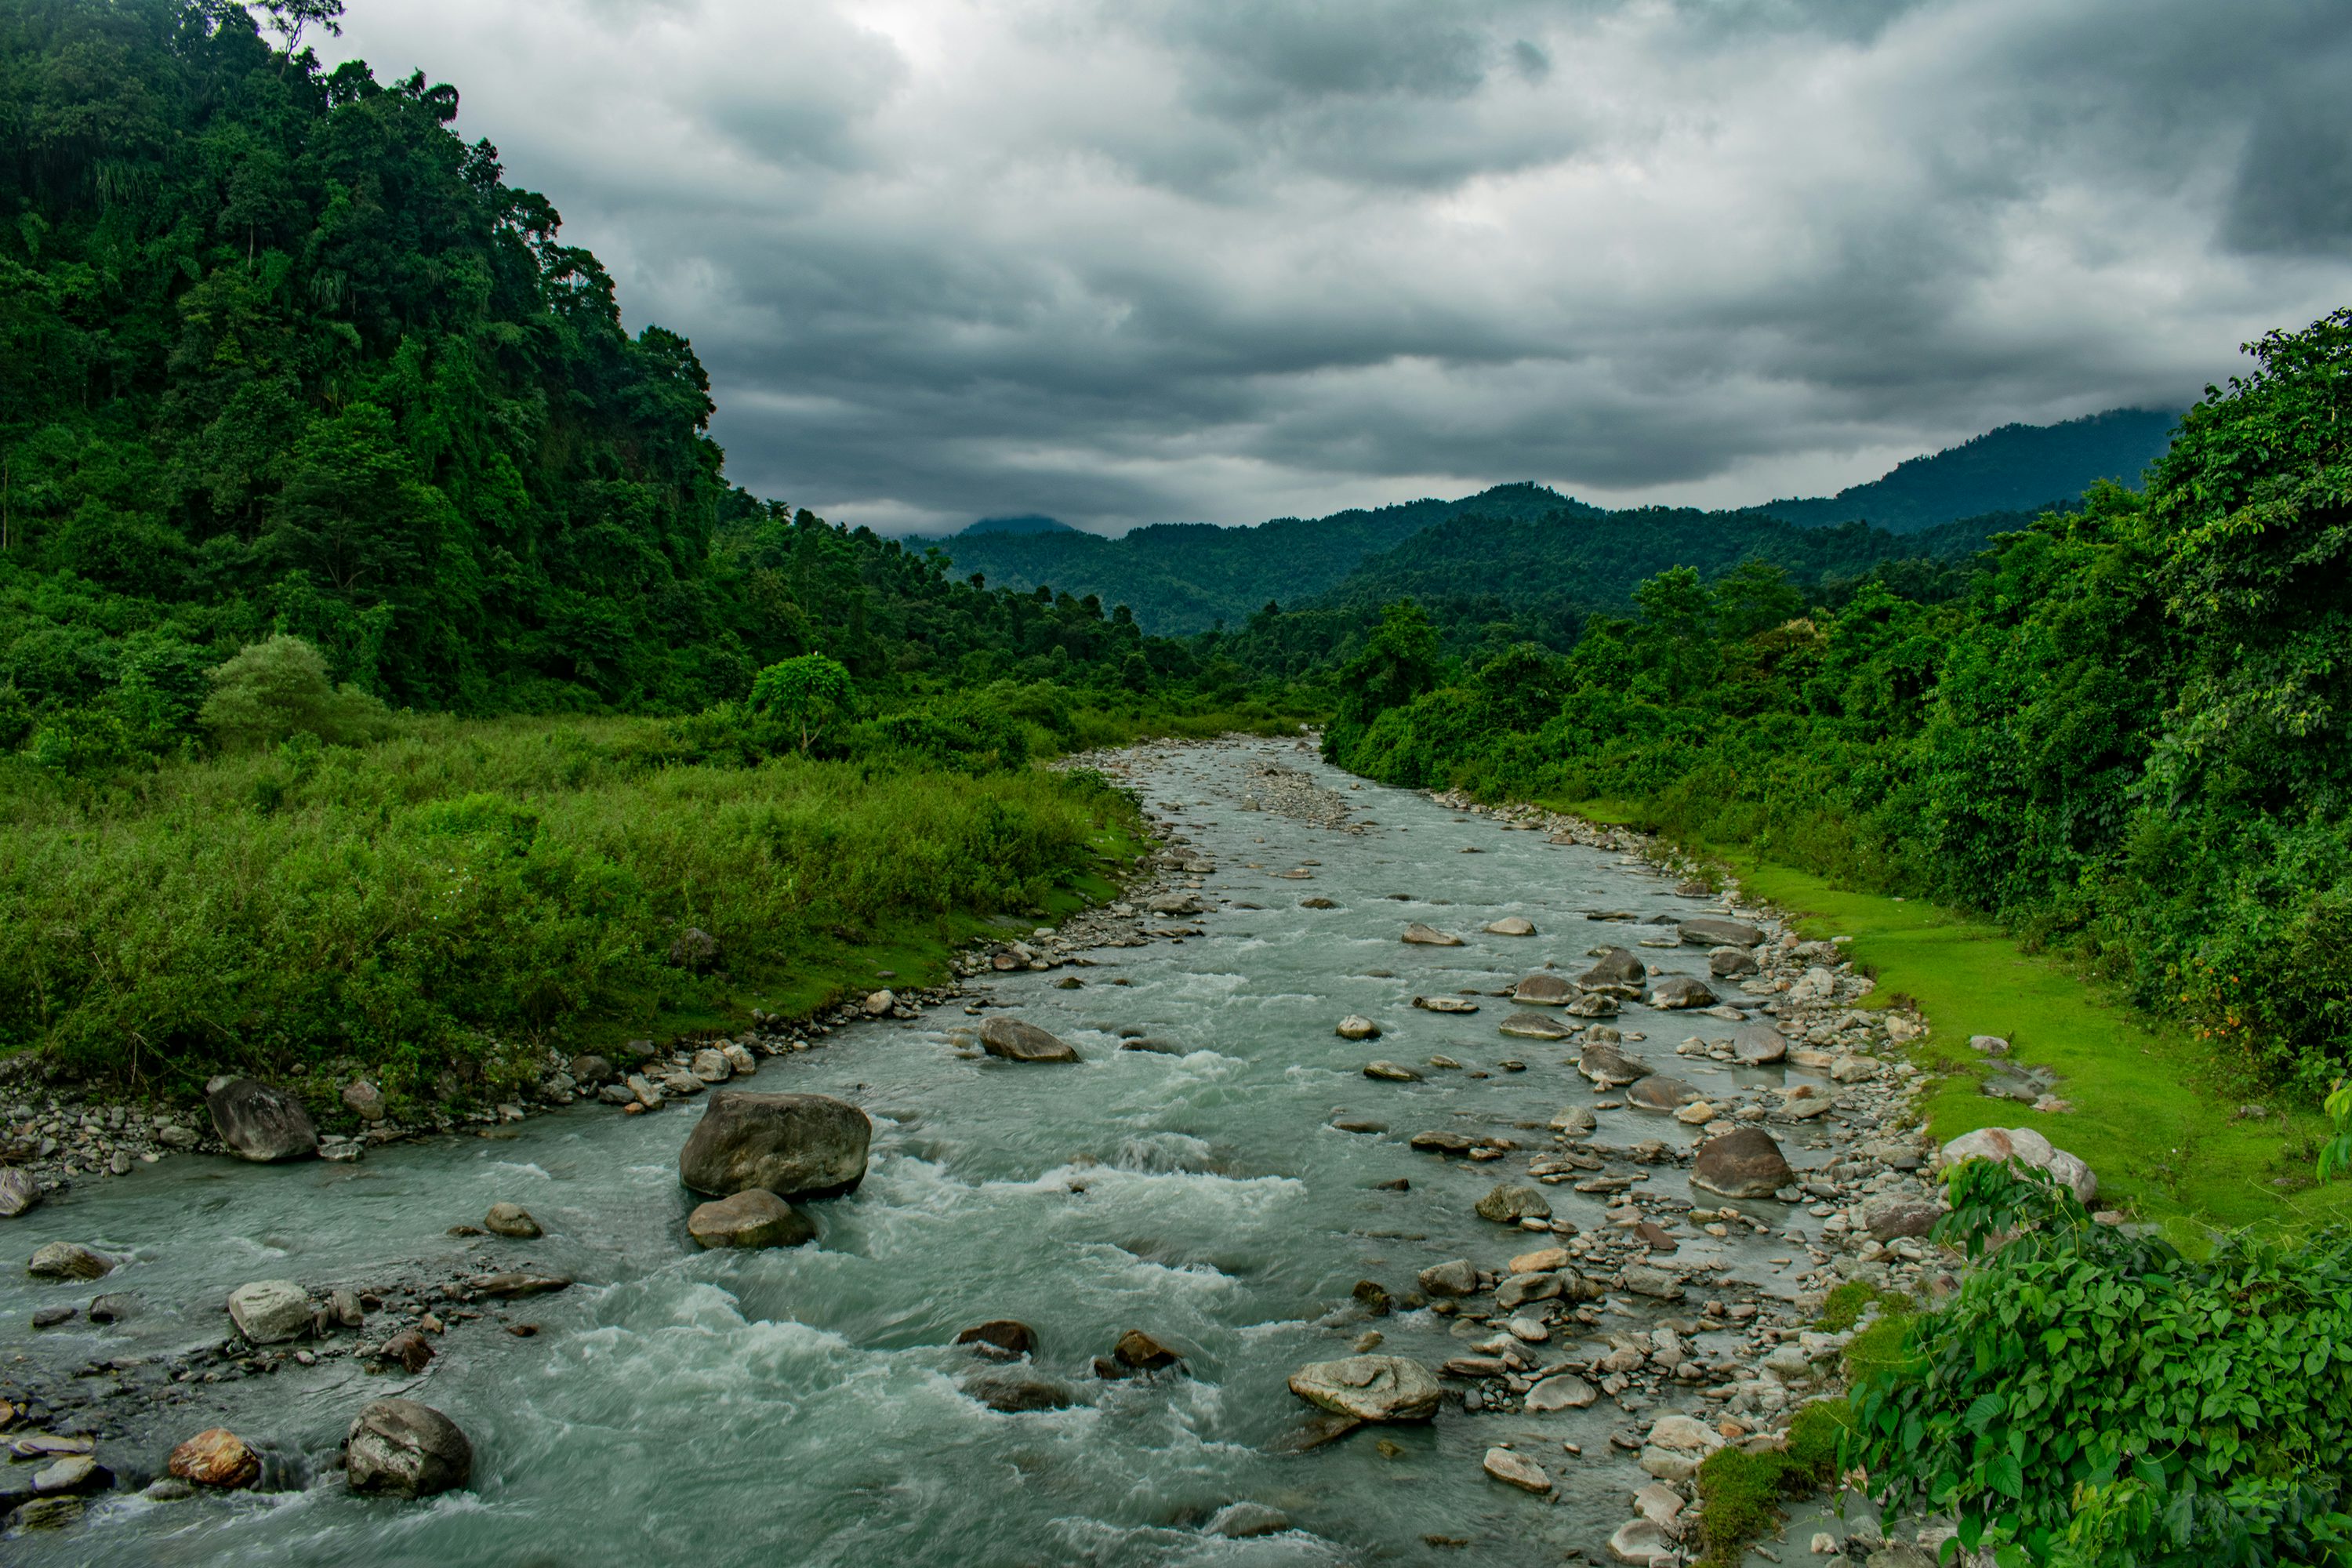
712	1065
877	1003
754	1217
1016	1392
510	1220
216	1458
71	1475
407	1350
1246	1521
1545	1285
1429	936
1000	1337
1176	904
793	1145
1609	1068
69	1260
1535	1026
1851	1066
1732	963
1754	1046
1444	1004
1891	1214
514	1286
1138	1352
364	1100
1016	1041
259	1122
1391	1072
18	1192
1454	1278
1369	1387
1517	1470
1988	1044
1511	925
1674	993
1656	1093
1593	1004
1803	1101
1356	1026
1641	1541
1544	989
1562	1391
271	1311
1619	968
1709	932
398	1448
115	1307
1442	1142
1656	1283
589	1070
1747	1163
1509	1203
1576	1121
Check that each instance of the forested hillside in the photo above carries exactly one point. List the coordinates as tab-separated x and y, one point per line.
2127	738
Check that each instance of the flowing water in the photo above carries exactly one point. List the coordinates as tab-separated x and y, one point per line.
803	1406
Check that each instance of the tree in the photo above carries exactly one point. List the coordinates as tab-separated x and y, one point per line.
1398	662
806	693
278	688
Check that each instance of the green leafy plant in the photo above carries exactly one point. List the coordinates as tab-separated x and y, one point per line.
279	687
804	694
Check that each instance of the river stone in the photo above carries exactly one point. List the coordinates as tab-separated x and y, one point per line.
510	1220
1609	1068
1641	1541
69	1473
1802	1101
1593	1004
1138	1352
1709	932
1391	1072
514	1286
1535	1026
645	1091
1246	1521
1510	1202
1369	1387
259	1122
754	1217
1755	1046
1356	1026
115	1307
1732	963
401	1448
589	1069
363	1099
1677	992
1429	936
1016	1041
1656	1283
216	1458
1655	1093
269	1310
1017	1391
1521	1289
1443	1142
1176	904
1891	1214
1576	1121
1747	1163
69	1260
1511	925
793	1145
711	1066
408	1350
1851	1066
1564	1391
1444	1004
1517	1470
1542	1260
1620	967
18	1192
2074	1173
1544	989
1318	902
1457	1277
1000	1337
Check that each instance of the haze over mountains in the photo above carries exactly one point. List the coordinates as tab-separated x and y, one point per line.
1535	552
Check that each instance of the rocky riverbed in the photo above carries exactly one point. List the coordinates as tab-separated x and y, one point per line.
1230	1221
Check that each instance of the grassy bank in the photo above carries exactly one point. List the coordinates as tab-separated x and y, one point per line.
2151	1112
441	903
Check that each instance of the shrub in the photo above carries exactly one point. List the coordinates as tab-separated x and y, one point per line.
279	687
2095	1397
804	694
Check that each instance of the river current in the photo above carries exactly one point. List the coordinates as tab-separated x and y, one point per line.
802	1406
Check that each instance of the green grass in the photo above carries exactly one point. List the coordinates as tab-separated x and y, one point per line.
2150	1115
459	898
1740	1493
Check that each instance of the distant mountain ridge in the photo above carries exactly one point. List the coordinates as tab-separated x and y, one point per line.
1183	577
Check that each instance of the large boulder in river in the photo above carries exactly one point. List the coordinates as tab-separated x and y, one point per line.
1711	933
1620	969
1535	1026
1429	936
1747	1163
793	1145
1732	963
1018	1042
1657	1093
1544	989
1754	1046
18	1192
1609	1068
1510	1202
1679	991
398	1448
259	1122
1370	1387
69	1260
753	1218
271	1311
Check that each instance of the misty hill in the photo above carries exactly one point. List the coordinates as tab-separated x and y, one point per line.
2017	467
1180	577
1027	523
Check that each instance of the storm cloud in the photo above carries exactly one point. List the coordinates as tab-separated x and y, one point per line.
1140	260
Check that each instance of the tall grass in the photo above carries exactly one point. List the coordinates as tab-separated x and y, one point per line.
447	897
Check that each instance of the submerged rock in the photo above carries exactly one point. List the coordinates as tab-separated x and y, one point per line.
512	1221
1001	1336
398	1448
215	1457
1429	936
1391	1072
1356	1026
793	1145
1369	1387
259	1122
69	1260
1517	1469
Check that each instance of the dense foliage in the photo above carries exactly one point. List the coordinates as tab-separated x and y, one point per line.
2092	1398
2126	736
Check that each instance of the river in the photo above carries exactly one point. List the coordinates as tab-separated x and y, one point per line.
803	1406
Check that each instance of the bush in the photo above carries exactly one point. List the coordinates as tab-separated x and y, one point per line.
279	687
2095	1397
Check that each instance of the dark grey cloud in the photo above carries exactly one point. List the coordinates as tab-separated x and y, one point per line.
1132	260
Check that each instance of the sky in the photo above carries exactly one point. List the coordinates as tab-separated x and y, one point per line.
1132	261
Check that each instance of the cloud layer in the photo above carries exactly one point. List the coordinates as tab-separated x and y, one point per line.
1129	261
